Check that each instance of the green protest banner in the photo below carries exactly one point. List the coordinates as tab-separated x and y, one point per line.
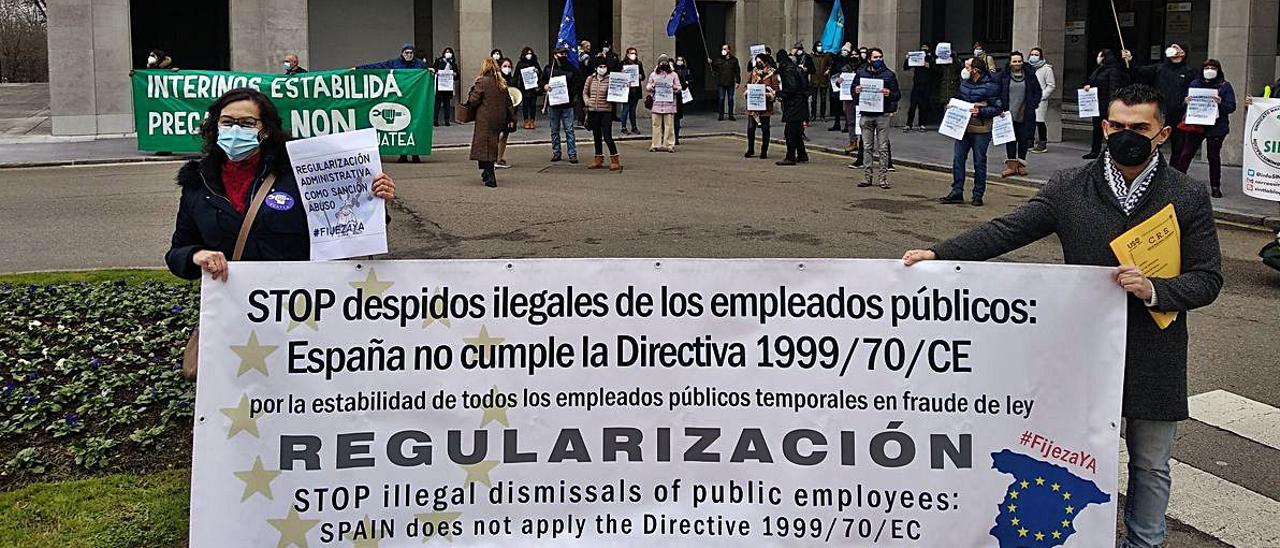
169	106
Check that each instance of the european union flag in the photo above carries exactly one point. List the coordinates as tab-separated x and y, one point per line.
833	34
1041	505
686	13
568	37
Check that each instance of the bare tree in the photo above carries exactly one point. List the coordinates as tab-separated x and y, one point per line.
24	47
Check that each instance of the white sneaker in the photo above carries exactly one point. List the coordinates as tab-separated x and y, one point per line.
501	164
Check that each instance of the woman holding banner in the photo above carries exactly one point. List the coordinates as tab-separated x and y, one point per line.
244	166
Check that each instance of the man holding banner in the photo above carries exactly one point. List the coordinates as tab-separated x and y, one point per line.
1088	208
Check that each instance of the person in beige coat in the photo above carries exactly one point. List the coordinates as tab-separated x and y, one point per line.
494	115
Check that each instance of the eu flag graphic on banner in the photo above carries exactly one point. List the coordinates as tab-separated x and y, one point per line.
568	37
1041	505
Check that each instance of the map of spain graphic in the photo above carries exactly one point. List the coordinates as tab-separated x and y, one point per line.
1041	504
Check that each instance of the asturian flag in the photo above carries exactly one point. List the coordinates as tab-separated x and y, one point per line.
833	34
568	37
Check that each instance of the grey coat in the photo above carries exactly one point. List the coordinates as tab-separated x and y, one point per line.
1080	208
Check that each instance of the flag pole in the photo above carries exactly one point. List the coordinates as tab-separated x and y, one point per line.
1116	18
701	35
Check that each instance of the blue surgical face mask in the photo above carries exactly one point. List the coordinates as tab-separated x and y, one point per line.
238	142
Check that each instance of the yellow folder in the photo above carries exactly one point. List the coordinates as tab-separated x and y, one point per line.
1154	246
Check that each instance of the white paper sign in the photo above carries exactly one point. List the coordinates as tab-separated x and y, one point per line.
757	50
1202	110
1002	129
755	97
1261	166
664	92
686	96
1088	102
943	52
619	87
846	86
335	176
872	97
444	80
529	75
633	72
559	93
759	407
915	58
835	83
956	119
857	120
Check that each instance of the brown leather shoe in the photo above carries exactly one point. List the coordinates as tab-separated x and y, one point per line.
615	164
597	162
1010	168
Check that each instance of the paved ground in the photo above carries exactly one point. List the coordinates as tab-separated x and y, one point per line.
707	201
24	111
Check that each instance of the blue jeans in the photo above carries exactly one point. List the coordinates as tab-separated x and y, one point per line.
1150	445
978	143
562	117
629	114
724	100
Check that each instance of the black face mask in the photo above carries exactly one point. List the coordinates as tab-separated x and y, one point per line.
1129	148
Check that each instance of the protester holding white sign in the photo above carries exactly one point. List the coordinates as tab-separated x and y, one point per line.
529	77
252	179
335	175
444	90
1110	76
878	95
763	85
597	92
689	405
981	93
1209	99
663	83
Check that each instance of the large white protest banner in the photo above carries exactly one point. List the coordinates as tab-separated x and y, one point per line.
559	92
871	98
1087	102
1261	167
955	119
630	402
335	177
619	87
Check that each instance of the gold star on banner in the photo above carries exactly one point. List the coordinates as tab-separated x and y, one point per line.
240	419
293	529
1014	522
1039	481
1057	535
1066	495
1055	487
435	518
494	413
257	480
371	285
480	472
1025	484
1066	523
436	313
299	307
1012	508
484	340
1013	494
1071	509
253	355
1039	536
1022	532
372	540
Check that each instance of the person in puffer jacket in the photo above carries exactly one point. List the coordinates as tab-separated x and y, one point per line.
978	86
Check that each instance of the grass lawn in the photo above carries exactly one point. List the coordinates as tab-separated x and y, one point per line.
109	511
130	276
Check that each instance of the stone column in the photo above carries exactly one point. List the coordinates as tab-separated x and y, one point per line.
1242	35
1042	23
89	87
642	24
262	31
895	28
475	39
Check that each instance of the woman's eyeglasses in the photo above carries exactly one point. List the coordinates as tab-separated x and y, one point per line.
247	122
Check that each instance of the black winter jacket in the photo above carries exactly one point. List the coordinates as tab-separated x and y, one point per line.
1172	79
207	221
794	92
1109	77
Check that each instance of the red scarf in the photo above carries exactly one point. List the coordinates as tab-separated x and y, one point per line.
237	178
